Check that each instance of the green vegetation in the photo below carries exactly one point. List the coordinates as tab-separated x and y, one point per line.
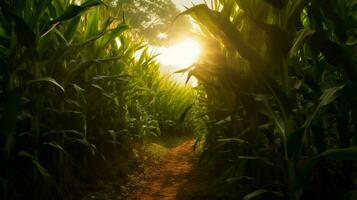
280	98
275	111
150	18
73	96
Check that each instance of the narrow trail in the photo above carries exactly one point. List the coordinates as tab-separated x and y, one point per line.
169	178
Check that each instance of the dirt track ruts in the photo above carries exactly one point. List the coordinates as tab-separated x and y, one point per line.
170	176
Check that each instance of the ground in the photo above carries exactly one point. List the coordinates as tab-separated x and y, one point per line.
168	177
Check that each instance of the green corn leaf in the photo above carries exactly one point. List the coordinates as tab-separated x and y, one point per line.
43	171
112	34
341	154
92	24
329	95
82	67
301	37
294	11
86	143
74	10
114	77
76	71
197	142
260	192
240	178
97	87
326	98
55	145
71	12
228	8
182	70
265	160
190	74
89	40
72	28
25	154
184	113
268	110
46	80
236	140
78	89
91	3
60	35
52	10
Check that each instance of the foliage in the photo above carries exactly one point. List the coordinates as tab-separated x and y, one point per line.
79	92
74	96
279	84
150	18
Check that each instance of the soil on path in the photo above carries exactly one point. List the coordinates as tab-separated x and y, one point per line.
172	176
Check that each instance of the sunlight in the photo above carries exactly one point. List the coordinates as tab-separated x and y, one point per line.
118	42
174	58
162	36
181	55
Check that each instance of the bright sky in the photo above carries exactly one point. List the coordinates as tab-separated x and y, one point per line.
180	55
188	3
183	53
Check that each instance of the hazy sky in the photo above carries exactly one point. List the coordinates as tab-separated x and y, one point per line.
188	3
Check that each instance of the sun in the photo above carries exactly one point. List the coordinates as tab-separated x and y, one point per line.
182	54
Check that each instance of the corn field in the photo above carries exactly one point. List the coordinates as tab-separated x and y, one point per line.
275	108
279	84
74	96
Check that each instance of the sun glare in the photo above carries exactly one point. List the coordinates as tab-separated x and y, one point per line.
182	54
176	57
179	56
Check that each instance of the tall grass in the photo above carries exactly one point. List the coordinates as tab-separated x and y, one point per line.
280	96
73	98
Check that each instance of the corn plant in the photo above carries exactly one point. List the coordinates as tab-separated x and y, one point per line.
279	98
69	94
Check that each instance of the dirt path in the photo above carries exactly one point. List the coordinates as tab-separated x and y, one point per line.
169	177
